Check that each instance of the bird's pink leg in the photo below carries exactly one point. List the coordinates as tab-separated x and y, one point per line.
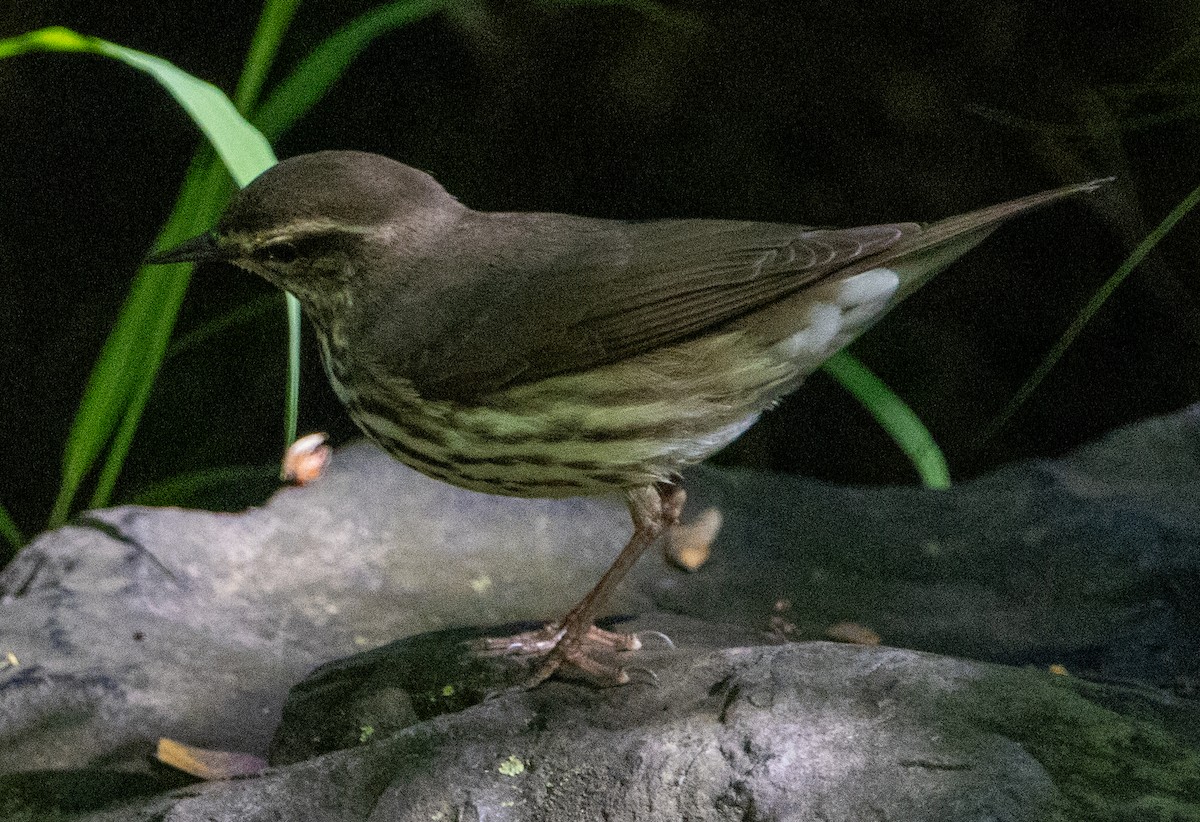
575	641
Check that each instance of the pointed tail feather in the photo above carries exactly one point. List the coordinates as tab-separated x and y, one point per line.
921	255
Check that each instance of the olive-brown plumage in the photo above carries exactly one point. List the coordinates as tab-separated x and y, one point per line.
552	355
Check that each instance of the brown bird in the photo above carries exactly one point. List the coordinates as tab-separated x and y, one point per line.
546	355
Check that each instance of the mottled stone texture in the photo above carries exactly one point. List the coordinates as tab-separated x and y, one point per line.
132	624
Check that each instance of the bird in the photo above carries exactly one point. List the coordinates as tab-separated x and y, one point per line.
550	355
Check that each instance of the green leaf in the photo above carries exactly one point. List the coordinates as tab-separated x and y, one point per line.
1089	311
317	72
241	147
186	486
135	348
894	416
120	382
9	530
245	313
272	24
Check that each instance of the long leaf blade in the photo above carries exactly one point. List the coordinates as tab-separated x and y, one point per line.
273	23
1085	315
10	531
124	372
894	416
316	73
241	147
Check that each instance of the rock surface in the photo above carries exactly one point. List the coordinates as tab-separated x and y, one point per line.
133	624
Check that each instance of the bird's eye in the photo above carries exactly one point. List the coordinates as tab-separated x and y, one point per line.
282	252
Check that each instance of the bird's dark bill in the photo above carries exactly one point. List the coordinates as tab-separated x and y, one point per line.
199	249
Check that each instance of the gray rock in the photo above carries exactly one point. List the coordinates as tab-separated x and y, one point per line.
798	731
133	623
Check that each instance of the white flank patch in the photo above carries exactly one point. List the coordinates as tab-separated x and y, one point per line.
824	322
872	286
858	301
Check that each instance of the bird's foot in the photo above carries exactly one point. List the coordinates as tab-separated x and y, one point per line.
567	646
575	643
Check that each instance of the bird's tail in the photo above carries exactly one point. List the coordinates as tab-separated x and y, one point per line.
923	254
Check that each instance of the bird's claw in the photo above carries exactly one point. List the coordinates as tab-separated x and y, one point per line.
582	650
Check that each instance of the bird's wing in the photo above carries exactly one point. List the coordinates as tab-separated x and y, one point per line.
528	296
687	276
563	294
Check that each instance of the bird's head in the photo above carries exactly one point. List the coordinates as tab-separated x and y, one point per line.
314	222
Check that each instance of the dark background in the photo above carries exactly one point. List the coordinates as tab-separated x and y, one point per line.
833	113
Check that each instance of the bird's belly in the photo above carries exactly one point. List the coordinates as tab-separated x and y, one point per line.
630	424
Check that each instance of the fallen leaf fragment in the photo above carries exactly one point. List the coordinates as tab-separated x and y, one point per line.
208	764
306	459
689	546
852	632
